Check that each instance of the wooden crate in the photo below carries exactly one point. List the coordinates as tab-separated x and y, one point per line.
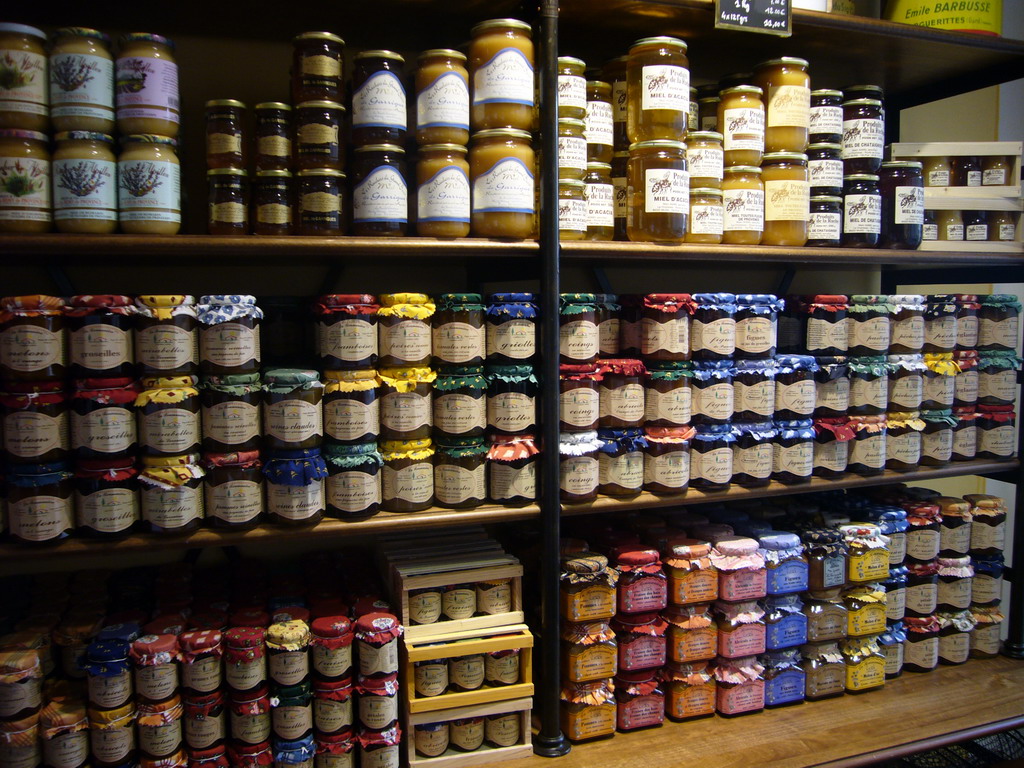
1001	198
464	644
486	755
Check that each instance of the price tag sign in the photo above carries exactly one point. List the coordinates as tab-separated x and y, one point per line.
769	17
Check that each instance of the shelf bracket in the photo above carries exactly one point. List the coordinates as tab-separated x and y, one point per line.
602	279
786	281
334	273
60	279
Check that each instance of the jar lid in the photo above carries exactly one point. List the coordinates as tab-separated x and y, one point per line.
736	545
225	103
659	144
318	36
148	138
377	627
227	172
12	133
736	89
22	29
743	169
499	23
706	135
146	37
571	61
331	626
689	548
638	557
913	164
860	177
572	183
379	54
198	641
826	92
277	104
290	376
776	541
673	42
155	649
826	199
594	166
784	60
862	103
320	104
784	157
507	133
393	148
705	192
99	651
84	136
288	635
584	562
449	53
457	149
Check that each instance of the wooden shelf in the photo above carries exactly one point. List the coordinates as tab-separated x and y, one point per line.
737	493
914	64
912	713
589	250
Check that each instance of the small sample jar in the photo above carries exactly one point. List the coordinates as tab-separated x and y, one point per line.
937	438
378	99
317	62
572	149
226	142
965	171
865	664
825	169
228	196
826	615
902	188
704	159
711	457
787	198
318	126
29	210
862	211
903	441
84	183
273	136
788	107
659	209
501	59
743	200
868	556
380	195
621	462
706	216
501	166
442	191
442	98
937	172
149	185
295	486
658	96
407	482
599	120
826	122
1002	226
713	393
741	121
707	110
950	225
147	86
753	453
272	203
832	439
742	574
292	416
320	208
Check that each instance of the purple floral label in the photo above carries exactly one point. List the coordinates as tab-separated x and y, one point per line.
787	633
147	88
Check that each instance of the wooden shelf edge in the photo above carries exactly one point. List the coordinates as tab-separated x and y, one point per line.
736	493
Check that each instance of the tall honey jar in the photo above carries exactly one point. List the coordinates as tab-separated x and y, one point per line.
787	88
659	188
501	68
658	90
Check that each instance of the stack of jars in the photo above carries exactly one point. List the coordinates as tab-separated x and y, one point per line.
987	521
969	171
69	88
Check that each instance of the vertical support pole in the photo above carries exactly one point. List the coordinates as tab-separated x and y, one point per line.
1014	645
549	742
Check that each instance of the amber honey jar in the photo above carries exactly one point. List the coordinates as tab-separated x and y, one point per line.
442	198
786	85
741	123
743	201
442	98
225	134
85	191
786	198
501	164
659	210
501	68
658	90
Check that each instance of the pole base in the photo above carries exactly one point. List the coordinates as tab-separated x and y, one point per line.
551	746
1013	650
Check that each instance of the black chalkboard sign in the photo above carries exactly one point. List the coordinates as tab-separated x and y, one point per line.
770	17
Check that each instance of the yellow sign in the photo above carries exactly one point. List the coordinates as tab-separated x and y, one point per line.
983	17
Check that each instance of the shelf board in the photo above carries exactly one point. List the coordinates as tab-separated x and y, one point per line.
914	64
590	250
326	530
737	493
912	713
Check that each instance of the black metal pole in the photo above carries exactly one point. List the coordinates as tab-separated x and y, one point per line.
1014	645
549	742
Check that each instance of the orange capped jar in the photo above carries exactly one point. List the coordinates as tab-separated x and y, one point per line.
788	104
442	98
659	187
658	90
501	167
692	578
787	198
741	123
501	68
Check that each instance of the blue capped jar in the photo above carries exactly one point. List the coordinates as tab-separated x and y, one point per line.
295	486
757	323
621	461
785	622
711	458
752	454
754	386
786	563
712	393
795	392
713	328
793	456
784	678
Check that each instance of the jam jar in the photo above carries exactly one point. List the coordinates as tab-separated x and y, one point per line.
512	469
903	441
320	207
713	327
35	423
862	211
902	187
501	60
406	402
233	490
711	458
502	165
667	459
231	412
659	208
579	401
100	336
757	325
588	710
826	614
742	574
826	123
740	688
998	323
171	494
906	382
641	641
351	410
867	449
692	577
795	390
658	89
511	328
869	385
457	336
667	398
404	333
460	478
166	336
939	390
865	664
713	393
988	528
868	559
832	447
168	416
937	438
380	194
106	498
793	452
32	338
641	701
621	393
608	324
511	404
824	669
579	342
579	470
353	488
785	679
786	84
997	378
272	203
229	334
589	651
39	503
378	99
965	434
273	136
826	552
752	453
642	584
863	135
664	327
317	62
295	486
226	142
921	650
318	135
965	383
292	416
690	690
346	330
228	196
442	98
787	566
407	480
692	632
621	461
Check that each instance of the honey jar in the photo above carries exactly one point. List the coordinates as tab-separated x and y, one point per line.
786	198
743	200
378	99
25	200
147	86
442	178
501	69
225	136
659	207
658	90
741	121
442	98
786	85
501	163
25	107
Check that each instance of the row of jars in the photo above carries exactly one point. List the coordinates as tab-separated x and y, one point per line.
971	226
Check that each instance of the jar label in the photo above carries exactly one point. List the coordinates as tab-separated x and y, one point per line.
625	471
24	87
940	389
293	421
641	711
25	193
895	603
431	742
600	205
414	484
147	88
625	403
796	460
503	730
295	502
955	593
598	125
293	722
320	210
572	91
868	450
906	390
789	105
40	518
744	640
458	602
827	334
502	669
666	190
84	190
966	385
431	679
833	456
405	411
826	120
110	510
156	682
718	336
798	397
693	644
29	434
353	491
938	178
171	507
382	757
232	423
468	734
938	445
273	213
669	470
235	502
998	385
160	740
826	173
985	639
743	129
755	335
672	336
897	548
619	101
455	485
987	536
869	673
866	620
444	196
202	675
672	406
111	745
786	686
149	190
506	78
922	544
713	466
169	430
67	750
786	200
965	442
941	332
862	215
374	660
330	716
954	232
513	412
29	348
578	340
322	65
332	662
516	339
1007	232
444	104
833	567
27	694
621	196
992	334
874	335
351	340
275	146
408	341
744	210
705	162
458	342
706	219
203	732
252	729
956	539
974	178
230	345
863	138
829	623
833	395
508	482
381	196
922	653
579	475
608	336
714	402
247	675
506	188
379	102
165	347
909	205
665	87
905	449
224	143
467	671
824	226
100	347
871	565
579	407
589	604
755	462
572	153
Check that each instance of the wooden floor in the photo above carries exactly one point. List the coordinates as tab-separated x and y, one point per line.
912	713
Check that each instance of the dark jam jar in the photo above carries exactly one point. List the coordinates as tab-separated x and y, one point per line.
231	412
271	203
713	328
320	208
32	344
831	447
998	322
229	334
353	481
350	406
754	390
460	403
863	135
825	168
35	423
317	63
862	211
711	458
579	342
667	459
380	196
870	318
233	490
713	394
511	328
752	454
460	477
511	399
225	134
621	462
228	198
167	411
103	419
346	330
902	187
171	494
39	505
512	470
378	99
292	417
621	394
793	459
832	388
273	136
757	320
166	336
826	116
869	386
457	329
825	226
795	390
100	336
295	487
667	399
318	135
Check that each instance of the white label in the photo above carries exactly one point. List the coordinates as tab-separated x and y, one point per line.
863	138
572	214
243	677
625	471
789	105
744	210
292	421
236	501
232	423
295	502
824	226
872	334
713	466
938	178
82	85
922	544
203	732
743	129
512	411
289	667
110	510
379	102
869	392
672	406
665	87
625	403
160	740
755	461
922	598
823	334
994	177
516	339
669	336
895	604
405	411
718	336
407	340
796	459
863	214
909	205
572	153
825	173
578	475
171	507
444	103
28	348
833	395
986	536
68	750
149	190
414	484
506	78
965	442
998	333
579	407
903	448
598	125
455	485
787	200
868	451
229	345
457	414
202	675
826	120
1000	385
1007	232
25	189
382	757
29	435
977	232
572	91
332	662
100	347
938	445
798	397
714	402
508	482
353	491
444	197
955	648
578	340
27	694
707	219
169	430
666	190
251	729
156	682
507	187
905	392
85	189
909	332
376	660
458	342
40	518
985	638
347	419
330	716
705	162
166	347
756	398
600	205
111	745
351	340
974	178
833	455
955	593
967	331
381	196
986	590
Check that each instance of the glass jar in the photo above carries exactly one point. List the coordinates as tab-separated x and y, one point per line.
230	412
511	328
226	143
353	488
641	702
621	393
824	669
937	438
704	159
295	486
501	59
578	466
317	62
658	81
908	324
168	416
24	103
788	105
588	710
825	169
711	458
862	211
975	225
404	333
442	178
272	203
147	86
660	206
620	183
273	136
512	469
599	195
921	651
906	382
870	317
742	574
831	447
743	200
826	552
998	321
965	434
741	121
787	198
599	121
406	403
824	227
752	454
865	664
460	478
869	386
713	329
903	441
501	164
572	210
39	503
442	98
997	378
318	126
868	559
902	187
380	196
149	184
320	208
793	448
579	409
667	459
937	172
572	149
832	388
228	196
826	122
865	610
292	417
229	334
642	584
407	482
826	614
740	688
572	88
667	396
85	186
692	579
1002	226
706	216
966	382
707	110
171	494
641	641
665	327
713	393
690	690
587	591
378	99
785	679
233	490
867	450
589	651
950	225
965	171
100	336
511	406
351	409
346	331
25	203
795	392
621	462
35	423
